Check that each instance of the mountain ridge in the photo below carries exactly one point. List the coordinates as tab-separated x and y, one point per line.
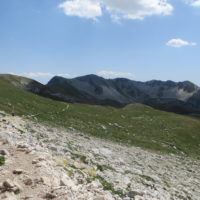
181	97
165	95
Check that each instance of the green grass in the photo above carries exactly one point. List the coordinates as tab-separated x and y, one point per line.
147	178
135	124
82	158
2	160
106	185
104	167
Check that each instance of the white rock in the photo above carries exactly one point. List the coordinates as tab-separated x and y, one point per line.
46	181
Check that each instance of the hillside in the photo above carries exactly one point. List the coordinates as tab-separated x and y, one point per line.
134	124
40	162
178	97
22	82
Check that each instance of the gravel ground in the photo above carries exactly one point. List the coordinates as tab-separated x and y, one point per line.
49	163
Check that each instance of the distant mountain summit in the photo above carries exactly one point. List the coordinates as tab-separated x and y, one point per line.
180	97
165	95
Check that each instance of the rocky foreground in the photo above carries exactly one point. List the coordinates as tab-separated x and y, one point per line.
39	162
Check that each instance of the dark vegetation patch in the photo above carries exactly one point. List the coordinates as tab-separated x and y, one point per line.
2	160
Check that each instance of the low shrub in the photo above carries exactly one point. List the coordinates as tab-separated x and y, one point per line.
2	160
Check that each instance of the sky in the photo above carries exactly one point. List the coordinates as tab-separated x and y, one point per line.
137	39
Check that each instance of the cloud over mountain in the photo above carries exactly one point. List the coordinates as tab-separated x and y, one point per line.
40	74
111	74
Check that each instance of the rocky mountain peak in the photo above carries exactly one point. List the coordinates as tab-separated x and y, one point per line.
57	80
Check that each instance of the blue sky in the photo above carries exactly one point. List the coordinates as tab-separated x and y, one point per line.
141	40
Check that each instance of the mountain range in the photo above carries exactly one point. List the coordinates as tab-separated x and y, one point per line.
179	97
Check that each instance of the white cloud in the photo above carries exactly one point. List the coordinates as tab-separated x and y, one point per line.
40	74
177	43
111	74
196	3
118	9
138	9
82	8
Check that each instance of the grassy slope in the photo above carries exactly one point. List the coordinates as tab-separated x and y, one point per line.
16	80
135	124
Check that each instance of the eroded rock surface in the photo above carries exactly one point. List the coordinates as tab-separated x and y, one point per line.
51	163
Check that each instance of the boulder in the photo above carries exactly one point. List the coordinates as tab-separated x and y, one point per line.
50	196
132	194
18	171
4	152
99	198
28	181
46	181
8	184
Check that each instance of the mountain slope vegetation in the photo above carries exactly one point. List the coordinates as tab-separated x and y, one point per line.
135	124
